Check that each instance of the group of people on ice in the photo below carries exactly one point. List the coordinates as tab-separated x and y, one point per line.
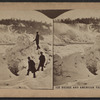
31	63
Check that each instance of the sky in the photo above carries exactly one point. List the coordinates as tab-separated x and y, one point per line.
26	15
80	13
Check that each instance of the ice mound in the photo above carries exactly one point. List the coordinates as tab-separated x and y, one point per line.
14	65
93	56
17	56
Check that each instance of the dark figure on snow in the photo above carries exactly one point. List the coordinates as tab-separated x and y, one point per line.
37	40
31	67
42	61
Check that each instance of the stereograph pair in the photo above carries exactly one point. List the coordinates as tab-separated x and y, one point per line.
50	49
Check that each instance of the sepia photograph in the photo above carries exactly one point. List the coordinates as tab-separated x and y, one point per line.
25	50
49	49
77	49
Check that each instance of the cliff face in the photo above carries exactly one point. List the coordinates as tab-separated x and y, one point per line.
76	33
10	29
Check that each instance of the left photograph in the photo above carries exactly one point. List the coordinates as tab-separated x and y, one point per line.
26	55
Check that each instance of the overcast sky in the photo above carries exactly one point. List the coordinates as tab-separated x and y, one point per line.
26	15
80	13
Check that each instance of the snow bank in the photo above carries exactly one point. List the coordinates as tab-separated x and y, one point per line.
70	68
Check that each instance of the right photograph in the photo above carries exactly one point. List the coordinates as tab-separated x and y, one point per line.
77	48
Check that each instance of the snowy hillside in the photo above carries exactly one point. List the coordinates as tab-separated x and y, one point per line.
16	44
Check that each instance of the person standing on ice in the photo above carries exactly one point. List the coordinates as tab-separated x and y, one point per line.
37	40
42	61
31	67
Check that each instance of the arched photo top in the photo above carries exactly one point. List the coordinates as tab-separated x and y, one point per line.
53	13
